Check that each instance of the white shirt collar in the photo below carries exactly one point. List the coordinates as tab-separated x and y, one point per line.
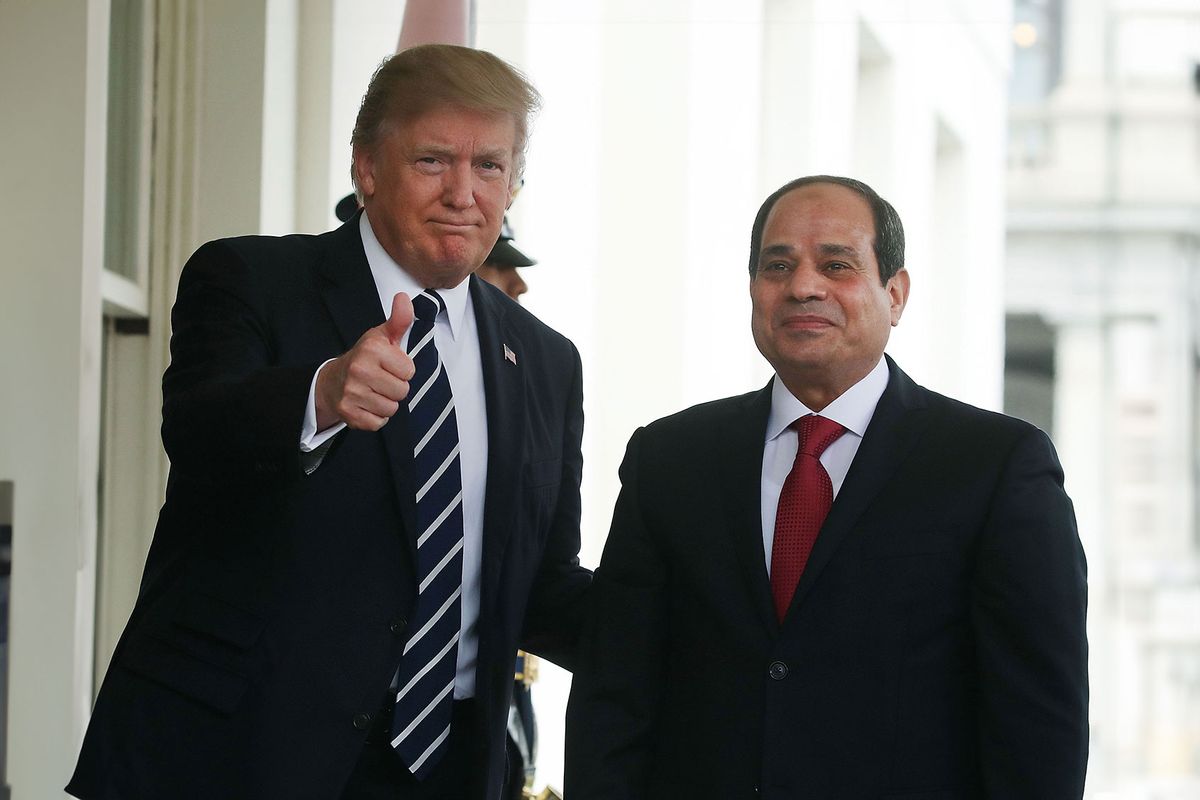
852	409
390	278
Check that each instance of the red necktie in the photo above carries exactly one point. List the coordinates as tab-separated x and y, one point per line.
804	503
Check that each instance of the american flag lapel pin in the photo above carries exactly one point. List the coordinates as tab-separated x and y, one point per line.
509	355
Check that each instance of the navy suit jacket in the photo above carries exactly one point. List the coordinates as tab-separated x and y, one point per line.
934	649
272	610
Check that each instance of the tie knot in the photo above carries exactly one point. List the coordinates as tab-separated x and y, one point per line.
816	433
427	305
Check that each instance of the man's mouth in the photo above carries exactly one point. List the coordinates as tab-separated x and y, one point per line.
807	322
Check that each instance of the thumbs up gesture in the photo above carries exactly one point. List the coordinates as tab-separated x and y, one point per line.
365	386
399	322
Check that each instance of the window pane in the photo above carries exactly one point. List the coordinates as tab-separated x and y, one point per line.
125	106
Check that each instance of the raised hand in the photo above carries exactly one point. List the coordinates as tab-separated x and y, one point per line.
365	386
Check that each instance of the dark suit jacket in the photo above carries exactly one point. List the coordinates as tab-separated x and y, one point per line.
273	607
934	650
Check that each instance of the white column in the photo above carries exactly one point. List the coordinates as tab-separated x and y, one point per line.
318	185
1085	41
361	34
230	92
278	144
1081	399
810	52
725	86
53	63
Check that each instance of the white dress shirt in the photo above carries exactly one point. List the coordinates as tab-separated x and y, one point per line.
456	335
853	409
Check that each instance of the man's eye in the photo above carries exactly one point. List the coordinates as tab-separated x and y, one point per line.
836	266
490	166
774	266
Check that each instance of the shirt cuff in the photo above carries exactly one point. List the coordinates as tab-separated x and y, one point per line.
310	437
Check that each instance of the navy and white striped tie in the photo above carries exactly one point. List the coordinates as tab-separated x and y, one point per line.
425	697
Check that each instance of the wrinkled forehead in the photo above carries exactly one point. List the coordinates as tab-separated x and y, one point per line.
454	119
487	133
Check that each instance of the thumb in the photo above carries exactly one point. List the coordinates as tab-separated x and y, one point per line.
401	318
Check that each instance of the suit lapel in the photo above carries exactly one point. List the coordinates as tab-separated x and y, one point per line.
349	291
500	352
353	302
894	430
741	452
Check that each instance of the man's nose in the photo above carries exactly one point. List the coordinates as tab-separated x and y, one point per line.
458	186
807	283
518	286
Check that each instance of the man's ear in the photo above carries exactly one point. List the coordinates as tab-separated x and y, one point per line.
364	171
897	289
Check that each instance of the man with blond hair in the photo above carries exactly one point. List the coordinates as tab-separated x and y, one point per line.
374	489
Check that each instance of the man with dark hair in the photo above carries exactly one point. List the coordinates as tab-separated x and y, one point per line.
374	489
842	585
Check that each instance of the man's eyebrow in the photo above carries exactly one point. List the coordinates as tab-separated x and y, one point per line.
775	250
445	151
493	154
434	149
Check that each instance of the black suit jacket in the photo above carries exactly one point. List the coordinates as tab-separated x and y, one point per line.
273	607
934	650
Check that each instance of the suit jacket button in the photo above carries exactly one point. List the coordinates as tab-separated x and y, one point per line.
362	721
398	625
778	670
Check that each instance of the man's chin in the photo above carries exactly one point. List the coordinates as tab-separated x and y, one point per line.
446	273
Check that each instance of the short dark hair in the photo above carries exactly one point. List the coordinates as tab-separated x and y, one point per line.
889	231
421	78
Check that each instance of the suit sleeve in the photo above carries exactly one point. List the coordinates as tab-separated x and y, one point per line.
612	715
1029	609
556	599
231	413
